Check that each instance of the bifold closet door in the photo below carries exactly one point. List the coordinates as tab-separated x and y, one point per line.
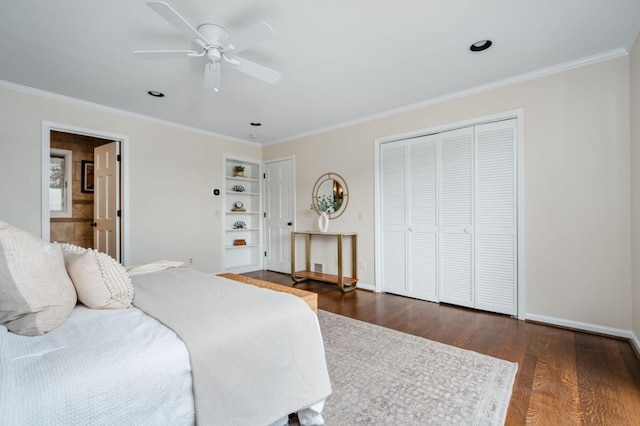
394	244
422	214
456	217
449	217
409	218
496	244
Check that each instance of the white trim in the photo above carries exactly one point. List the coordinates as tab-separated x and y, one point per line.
364	286
47	127
63	98
377	221
583	326
521	210
635	342
67	210
555	69
634	29
517	114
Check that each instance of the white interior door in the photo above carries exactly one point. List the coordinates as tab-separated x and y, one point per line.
278	214
106	233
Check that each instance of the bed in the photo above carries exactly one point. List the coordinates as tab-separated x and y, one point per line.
193	348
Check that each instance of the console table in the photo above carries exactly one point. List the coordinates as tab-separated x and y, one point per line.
345	284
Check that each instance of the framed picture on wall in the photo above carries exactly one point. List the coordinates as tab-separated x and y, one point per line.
87	176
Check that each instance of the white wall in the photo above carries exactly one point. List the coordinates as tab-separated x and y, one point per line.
634	78
172	173
577	184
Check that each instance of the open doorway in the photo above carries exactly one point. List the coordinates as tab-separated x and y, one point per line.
73	198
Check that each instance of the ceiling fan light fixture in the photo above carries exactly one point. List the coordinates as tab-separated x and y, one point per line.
480	45
216	44
156	94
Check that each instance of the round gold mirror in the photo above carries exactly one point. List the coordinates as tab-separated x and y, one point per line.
330	194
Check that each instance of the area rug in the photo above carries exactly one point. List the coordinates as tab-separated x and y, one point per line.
384	377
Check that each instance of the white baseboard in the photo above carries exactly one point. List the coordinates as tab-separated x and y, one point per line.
635	343
592	328
365	286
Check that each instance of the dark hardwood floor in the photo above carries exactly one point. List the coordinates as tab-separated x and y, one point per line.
564	377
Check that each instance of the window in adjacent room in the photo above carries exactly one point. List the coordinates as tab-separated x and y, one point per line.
60	178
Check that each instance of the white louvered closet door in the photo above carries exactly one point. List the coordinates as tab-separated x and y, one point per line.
422	236
496	217
393	244
449	217
456	217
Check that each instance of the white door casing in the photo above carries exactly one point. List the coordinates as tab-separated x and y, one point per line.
279	214
106	233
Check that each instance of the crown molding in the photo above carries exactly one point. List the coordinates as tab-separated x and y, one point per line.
555	69
99	107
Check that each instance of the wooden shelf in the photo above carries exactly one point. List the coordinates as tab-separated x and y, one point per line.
327	278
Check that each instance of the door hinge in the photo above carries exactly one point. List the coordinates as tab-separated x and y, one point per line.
264	176
118	157
265	254
264	215
119	213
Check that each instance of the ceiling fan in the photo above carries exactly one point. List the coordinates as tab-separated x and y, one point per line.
217	45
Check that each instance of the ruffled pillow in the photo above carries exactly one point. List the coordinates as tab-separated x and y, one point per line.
100	281
36	294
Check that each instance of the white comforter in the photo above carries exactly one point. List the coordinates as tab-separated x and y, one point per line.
101	367
257	355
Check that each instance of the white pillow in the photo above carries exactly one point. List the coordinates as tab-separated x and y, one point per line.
100	281
36	294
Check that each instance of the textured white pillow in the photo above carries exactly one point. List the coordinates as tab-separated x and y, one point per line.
101	282
36	294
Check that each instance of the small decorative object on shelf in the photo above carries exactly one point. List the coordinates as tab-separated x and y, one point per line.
240	242
238	188
239	225
238	207
238	171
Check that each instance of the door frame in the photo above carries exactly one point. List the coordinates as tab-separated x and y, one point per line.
47	127
291	158
517	114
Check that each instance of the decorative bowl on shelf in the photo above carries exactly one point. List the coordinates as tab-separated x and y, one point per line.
239	225
238	188
240	242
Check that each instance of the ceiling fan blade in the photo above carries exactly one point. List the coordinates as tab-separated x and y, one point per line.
212	76
164	54
250	37
174	18
254	70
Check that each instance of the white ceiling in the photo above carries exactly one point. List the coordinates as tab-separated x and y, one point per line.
341	60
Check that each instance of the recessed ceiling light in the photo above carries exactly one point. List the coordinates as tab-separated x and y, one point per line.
481	45
253	136
156	94
256	124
